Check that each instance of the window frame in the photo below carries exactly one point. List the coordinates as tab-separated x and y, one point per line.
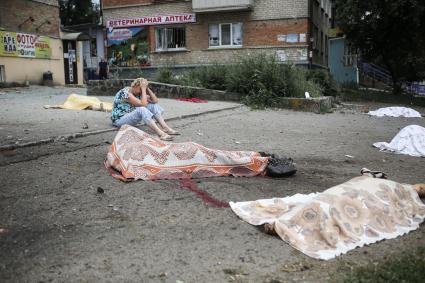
220	45
350	55
166	49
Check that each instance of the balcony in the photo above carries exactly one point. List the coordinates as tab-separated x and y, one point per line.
202	6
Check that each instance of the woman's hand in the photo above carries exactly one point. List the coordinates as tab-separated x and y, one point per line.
144	84
152	97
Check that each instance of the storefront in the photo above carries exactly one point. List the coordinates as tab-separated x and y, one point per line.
186	34
131	41
38	53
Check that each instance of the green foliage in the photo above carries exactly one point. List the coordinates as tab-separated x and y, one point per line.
75	12
212	77
408	268
260	99
253	74
323	78
264	80
165	75
389	33
261	79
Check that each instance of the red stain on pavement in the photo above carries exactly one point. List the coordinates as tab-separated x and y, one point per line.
190	185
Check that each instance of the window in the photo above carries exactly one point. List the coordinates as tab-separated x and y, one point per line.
170	38
128	47
350	55
225	34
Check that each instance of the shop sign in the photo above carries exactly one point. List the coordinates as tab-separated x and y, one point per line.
155	20
120	34
24	45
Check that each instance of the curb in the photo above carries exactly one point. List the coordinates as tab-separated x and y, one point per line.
85	134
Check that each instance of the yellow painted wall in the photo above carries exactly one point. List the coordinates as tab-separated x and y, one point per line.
31	69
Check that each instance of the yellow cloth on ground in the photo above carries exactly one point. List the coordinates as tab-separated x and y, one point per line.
81	102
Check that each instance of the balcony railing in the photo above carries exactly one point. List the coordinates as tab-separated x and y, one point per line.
221	5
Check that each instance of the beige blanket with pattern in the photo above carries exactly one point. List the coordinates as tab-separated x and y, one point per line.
324	225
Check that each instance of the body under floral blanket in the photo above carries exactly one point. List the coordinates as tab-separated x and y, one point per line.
135	154
323	225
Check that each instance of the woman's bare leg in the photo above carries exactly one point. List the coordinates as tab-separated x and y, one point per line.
152	125
164	125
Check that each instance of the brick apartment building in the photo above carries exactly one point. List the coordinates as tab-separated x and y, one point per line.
199	32
31	43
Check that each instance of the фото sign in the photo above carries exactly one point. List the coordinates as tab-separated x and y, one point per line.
24	45
155	20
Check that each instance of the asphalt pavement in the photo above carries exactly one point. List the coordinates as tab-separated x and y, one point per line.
63	218
23	119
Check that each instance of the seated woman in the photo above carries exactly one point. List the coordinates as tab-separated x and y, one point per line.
136	155
138	103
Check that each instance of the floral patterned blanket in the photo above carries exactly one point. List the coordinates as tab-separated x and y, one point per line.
135	154
324	225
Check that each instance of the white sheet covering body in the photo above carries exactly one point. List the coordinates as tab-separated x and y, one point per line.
395	112
324	225
410	140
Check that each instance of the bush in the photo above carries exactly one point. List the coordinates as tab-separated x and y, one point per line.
253	74
262	79
165	75
212	77
298	83
260	99
323	78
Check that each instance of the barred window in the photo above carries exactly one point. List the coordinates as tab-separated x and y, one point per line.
225	34
170	38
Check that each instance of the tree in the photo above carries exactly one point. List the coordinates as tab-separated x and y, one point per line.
75	12
387	32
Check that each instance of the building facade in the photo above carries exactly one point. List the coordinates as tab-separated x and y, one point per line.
31	44
199	32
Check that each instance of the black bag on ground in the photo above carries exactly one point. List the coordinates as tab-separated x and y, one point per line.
279	166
